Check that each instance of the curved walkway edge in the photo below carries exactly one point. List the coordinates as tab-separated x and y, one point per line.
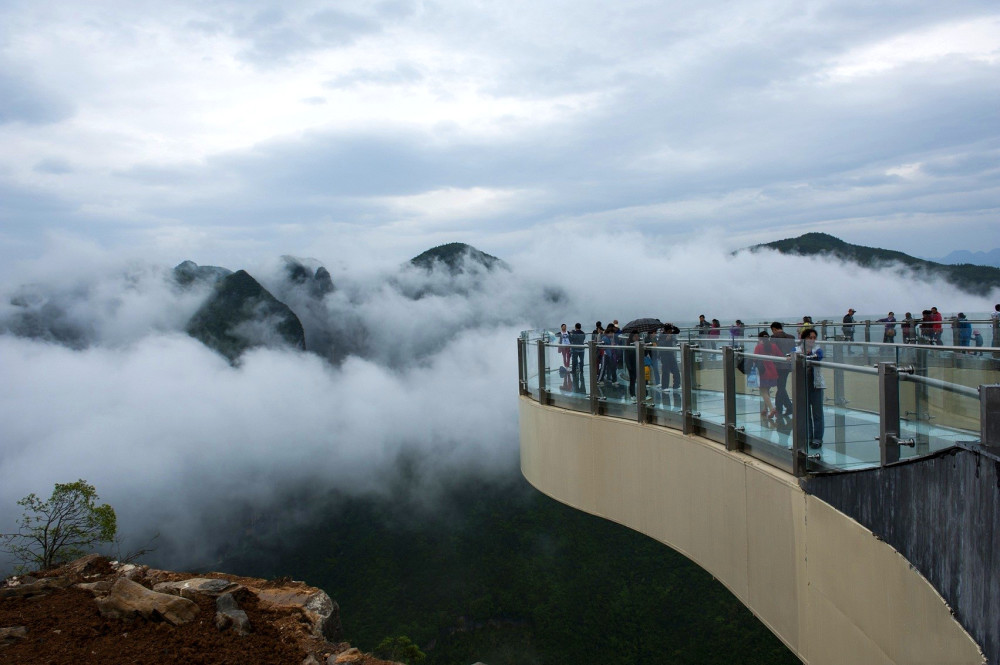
830	589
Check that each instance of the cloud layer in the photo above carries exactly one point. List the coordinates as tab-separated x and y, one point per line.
183	443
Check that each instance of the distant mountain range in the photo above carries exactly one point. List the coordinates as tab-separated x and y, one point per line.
976	279
990	258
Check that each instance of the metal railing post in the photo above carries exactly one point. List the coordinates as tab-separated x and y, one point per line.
989	415
839	399
592	357
800	416
640	382
687	395
868	331
888	422
541	372
522	378
729	396
822	327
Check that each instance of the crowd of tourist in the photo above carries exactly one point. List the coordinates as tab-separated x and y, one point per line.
660	371
928	329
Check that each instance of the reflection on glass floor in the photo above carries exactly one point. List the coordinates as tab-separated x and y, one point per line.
850	439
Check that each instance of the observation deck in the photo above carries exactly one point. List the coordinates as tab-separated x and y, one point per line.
881	545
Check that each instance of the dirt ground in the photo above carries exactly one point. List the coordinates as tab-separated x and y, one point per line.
65	627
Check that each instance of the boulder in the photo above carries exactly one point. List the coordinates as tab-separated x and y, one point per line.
315	605
128	599
352	655
12	634
91	564
197	586
99	588
129	570
228	614
40	587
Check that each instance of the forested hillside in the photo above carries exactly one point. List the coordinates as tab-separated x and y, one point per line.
498	572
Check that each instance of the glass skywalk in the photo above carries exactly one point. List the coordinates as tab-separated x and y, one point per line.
920	401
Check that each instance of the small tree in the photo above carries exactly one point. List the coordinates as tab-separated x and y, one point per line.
400	649
62	528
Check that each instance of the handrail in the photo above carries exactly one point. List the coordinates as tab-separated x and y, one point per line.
958	389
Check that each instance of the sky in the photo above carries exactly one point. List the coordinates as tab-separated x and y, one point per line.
229	132
613	154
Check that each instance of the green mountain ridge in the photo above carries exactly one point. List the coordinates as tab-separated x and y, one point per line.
454	256
976	279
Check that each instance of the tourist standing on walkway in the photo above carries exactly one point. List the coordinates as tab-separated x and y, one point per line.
768	375
995	320
849	325
909	329
563	344
807	322
632	362
703	325
596	337
667	339
889	336
937	318
578	338
609	368
964	330
786	344
715	329
926	335
815	385
737	331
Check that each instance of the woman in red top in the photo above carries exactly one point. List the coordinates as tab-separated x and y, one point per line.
768	374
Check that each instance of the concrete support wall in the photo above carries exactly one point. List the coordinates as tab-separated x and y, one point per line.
943	515
819	580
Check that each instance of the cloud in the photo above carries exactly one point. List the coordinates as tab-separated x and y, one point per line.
24	100
181	442
275	35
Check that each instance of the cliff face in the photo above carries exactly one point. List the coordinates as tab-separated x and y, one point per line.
97	611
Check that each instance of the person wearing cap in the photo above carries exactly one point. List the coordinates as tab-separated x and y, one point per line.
849	325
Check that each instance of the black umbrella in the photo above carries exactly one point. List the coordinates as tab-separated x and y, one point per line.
642	326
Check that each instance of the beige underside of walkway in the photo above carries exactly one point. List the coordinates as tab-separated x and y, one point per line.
819	580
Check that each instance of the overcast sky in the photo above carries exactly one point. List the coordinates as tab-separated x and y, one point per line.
229	131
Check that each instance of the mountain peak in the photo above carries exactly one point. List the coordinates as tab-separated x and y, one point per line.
455	255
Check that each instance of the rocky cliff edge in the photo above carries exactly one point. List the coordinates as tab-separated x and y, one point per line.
93	610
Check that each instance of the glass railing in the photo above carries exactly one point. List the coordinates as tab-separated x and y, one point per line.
879	404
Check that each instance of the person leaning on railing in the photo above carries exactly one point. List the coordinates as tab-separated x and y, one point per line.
889	336
786	343
815	385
